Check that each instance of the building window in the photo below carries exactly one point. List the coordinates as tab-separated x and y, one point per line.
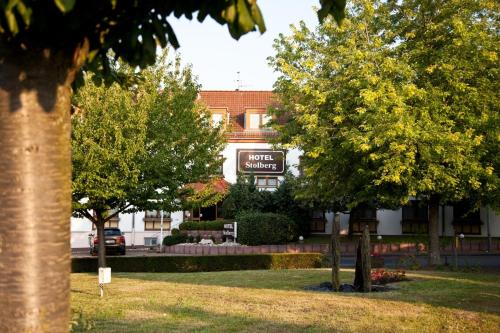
220	170
257	120
318	221
152	220
152	213
466	219
218	117
112	223
362	216
266	182
150	241
415	218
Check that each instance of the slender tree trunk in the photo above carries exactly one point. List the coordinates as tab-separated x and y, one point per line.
362	274
366	265
335	249
35	189
101	246
434	253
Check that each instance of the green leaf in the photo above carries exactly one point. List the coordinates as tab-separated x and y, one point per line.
171	36
65	5
12	22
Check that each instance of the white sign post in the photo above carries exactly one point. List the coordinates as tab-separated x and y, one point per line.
230	231
104	277
235	231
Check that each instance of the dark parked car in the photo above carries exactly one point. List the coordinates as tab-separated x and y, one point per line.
114	241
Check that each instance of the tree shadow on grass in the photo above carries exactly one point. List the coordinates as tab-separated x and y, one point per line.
465	291
182	318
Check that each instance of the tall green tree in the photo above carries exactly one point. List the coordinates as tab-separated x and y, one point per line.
372	126
43	44
134	148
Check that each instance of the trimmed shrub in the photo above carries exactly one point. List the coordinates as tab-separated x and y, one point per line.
201	263
255	228
202	225
174	239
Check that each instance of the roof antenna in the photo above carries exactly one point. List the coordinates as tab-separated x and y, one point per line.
238	81
239	85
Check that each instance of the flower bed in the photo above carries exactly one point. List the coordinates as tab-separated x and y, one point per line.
382	276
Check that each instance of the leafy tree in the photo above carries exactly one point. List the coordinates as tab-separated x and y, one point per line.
43	44
373	124
242	196
135	148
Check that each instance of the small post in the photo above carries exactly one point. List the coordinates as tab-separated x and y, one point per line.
104	277
379	238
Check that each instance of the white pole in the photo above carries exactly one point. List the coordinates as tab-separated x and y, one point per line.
133	230
161	230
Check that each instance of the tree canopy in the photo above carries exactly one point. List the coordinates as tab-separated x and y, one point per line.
374	119
400	101
136	147
131	29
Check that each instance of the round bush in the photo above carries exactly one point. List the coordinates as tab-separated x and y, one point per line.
174	239
255	228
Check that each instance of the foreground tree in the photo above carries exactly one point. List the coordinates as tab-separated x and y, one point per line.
372	127
134	148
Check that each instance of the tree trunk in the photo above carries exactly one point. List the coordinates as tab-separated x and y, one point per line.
362	274
335	249
434	255
35	189
101	246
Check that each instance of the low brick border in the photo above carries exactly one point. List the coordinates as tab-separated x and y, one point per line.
345	248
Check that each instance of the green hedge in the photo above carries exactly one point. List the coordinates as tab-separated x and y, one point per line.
255	228
174	239
202	225
201	263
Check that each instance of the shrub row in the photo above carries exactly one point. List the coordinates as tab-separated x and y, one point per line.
201	263
202	225
256	228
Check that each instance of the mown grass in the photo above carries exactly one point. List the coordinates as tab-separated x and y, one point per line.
274	301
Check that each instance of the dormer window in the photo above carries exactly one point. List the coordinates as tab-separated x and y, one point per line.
219	117
256	119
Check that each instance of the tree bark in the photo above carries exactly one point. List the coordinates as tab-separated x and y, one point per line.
362	274
101	246
434	253
335	250
35	188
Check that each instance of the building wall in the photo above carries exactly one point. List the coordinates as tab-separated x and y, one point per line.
390	222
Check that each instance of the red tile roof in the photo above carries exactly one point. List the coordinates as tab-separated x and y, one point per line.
219	185
237	102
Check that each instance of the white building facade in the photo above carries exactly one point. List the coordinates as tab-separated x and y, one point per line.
248	150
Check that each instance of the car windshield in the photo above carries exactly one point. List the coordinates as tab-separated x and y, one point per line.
112	232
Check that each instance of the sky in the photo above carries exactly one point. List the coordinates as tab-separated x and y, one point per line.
216	57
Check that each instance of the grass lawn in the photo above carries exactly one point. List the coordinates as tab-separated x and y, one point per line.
273	301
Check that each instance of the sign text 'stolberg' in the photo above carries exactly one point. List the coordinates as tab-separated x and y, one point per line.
261	161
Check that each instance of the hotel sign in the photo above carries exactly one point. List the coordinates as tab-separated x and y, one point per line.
263	161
